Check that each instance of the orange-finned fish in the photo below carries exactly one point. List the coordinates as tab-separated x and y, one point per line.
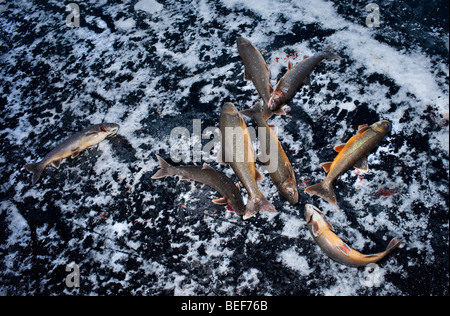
72	146
322	232
353	153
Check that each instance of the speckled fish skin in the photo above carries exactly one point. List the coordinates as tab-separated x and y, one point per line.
72	146
284	176
215	179
322	232
297	76
245	170
353	153
256	70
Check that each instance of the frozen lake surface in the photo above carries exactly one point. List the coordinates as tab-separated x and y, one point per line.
151	66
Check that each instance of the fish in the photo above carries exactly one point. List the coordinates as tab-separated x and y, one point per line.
297	76
256	71
205	174
333	246
282	174
238	152
353	153
72	146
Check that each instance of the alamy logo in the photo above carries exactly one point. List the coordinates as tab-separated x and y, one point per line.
373	18
230	147
73	19
73	278
373	276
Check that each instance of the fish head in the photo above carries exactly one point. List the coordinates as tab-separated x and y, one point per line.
382	126
229	108
242	41
237	205
109	128
276	100
314	219
290	192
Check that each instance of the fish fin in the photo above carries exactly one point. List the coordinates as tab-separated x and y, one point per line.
36	169
56	163
91	133
258	176
363	129
75	152
362	164
329	225
326	166
394	243
338	148
329	54
164	170
207	167
280	111
362	126
315	229
324	191
256	205
221	201
238	186
279	83
305	57
344	248
254	112
290	65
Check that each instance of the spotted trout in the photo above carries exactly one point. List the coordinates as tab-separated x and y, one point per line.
322	233
297	76
238	152
282	173
213	178
72	146
256	71
352	154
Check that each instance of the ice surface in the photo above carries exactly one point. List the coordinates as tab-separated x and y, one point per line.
151	66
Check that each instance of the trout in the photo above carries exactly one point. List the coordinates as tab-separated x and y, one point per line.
256	71
237	151
297	76
322	233
282	173
215	179
72	146
353	153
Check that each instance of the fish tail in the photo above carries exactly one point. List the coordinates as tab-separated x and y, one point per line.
394	243
255	112
330	55
36	169
254	205
324	190
165	169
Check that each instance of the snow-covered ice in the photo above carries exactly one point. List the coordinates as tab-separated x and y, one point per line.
151	66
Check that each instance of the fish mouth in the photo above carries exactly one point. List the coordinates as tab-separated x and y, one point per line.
243	41
113	131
